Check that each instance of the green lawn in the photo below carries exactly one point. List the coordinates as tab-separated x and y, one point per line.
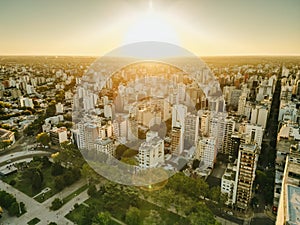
34	221
72	195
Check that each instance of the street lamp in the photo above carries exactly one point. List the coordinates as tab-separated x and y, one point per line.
20	211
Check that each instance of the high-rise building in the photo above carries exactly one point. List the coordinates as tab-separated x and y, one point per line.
105	145
254	134
242	104
262	116
176	147
234	144
151	152
178	115
216	104
91	135
229	129
207	151
204	127
254	115
191	128
178	124
289	204
109	111
181	92
245	175
217	128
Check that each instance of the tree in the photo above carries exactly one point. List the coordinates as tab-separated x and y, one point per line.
153	218
215	194
43	138
92	190
103	218
89	173
23	208
130	161
129	153
5	143
200	214
51	110
45	162
69	177
13	209
9	202
120	151
37	180
57	169
59	183
133	216
56	204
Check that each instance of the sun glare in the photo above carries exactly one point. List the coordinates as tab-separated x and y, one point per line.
151	26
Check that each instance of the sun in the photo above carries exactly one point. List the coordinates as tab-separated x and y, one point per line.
151	26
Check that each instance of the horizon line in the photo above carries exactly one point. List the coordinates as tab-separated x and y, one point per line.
217	55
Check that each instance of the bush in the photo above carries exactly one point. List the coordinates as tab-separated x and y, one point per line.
57	169
92	190
12	182
56	204
9	202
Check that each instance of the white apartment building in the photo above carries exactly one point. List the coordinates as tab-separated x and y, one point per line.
151	152
207	151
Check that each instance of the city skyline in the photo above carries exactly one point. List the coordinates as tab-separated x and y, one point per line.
206	28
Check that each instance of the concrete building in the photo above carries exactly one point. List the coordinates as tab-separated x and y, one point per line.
179	113
204	127
242	104
228	182
217	128
245	175
58	135
151	152
234	98
26	102
207	151
234	145
59	108
287	142
259	115
109	111
106	146
289	206
229	130
191	128
254	134
176	145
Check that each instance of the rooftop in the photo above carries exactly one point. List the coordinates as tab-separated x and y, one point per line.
5	133
293	216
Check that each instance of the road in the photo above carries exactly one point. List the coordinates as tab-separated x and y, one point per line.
21	155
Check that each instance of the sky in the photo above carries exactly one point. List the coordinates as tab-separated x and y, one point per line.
95	27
